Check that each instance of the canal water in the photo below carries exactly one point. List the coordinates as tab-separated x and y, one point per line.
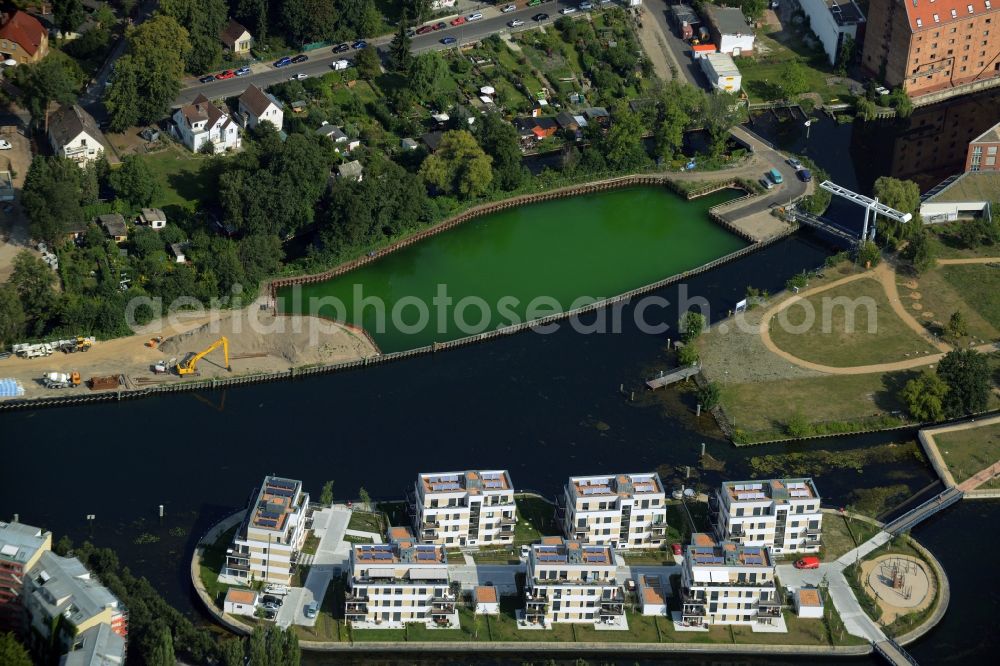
520	264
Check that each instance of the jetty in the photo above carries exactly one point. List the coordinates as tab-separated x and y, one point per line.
668	378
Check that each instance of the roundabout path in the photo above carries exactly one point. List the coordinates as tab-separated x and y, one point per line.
886	276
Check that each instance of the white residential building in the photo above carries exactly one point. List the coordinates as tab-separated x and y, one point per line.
832	21
780	514
202	122
471	508
726	583
808	602
240	601
74	134
267	543
487	601
623	510
402	581
569	581
256	106
730	30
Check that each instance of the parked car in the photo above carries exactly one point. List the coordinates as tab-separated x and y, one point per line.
775	176
525	551
474	16
358	45
268	605
310	609
676	548
809	562
509	8
586	6
299	58
340	48
540	17
270	599
515	23
423	30
283	62
228	74
298	77
206	79
276	589
766	183
567	10
805	175
441	25
458	21
242	71
794	163
448	41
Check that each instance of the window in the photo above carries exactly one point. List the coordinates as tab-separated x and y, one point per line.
991	150
920	23
937	19
970	9
954	13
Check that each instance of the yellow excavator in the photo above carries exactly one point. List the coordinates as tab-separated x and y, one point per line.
190	363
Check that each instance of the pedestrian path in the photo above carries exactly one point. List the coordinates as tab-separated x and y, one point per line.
376	538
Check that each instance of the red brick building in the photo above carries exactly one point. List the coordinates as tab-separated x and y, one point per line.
930	45
984	151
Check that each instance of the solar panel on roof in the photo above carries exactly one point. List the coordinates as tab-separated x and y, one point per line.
263	522
282	483
426	556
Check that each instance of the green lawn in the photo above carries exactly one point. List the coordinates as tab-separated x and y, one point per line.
849	325
311	544
840	538
979	285
765	408
534	519
948	245
213	558
364	521
943	291
761	74
968	451
179	173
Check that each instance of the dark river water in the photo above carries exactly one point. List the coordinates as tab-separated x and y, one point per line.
543	406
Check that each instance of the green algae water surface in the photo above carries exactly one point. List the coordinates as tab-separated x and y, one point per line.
519	264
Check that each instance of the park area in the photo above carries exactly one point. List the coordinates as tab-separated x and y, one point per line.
969	450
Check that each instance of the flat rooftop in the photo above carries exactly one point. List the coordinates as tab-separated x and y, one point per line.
619	485
20	542
557	550
473	482
400	552
726	554
652	589
845	12
774	490
275	502
809	596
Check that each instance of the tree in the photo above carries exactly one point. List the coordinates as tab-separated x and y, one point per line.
753	8
865	109
204	20
367	63
957	326
134	182
687	355
845	55
904	196
52	79
424	72
399	47
671	122
793	79
692	324
33	281
68	15
232	652
162	651
721	112
55	191
709	395
13	653
924	397
919	252
326	497
967	375
868	253
366	500
257	647
499	140
622	144
458	166
147	77
369	19
12	318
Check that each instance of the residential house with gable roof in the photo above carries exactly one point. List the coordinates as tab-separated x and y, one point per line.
22	38
202	122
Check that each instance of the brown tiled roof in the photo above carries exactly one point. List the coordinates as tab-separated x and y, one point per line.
202	109
926	10
702	539
239	596
254	99
231	33
24	30
486	594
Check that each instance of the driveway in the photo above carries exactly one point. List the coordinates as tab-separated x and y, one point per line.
687	67
330	558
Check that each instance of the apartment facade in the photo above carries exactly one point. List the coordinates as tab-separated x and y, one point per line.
21	546
571	581
983	151
833	21
925	46
727	583
622	511
471	508
782	515
402	581
267	543
65	602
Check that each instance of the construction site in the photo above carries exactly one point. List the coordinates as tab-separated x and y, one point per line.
203	345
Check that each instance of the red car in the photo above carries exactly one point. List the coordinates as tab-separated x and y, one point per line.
440	26
459	21
228	74
425	29
676	547
809	562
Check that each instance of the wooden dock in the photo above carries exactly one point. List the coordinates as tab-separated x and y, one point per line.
668	378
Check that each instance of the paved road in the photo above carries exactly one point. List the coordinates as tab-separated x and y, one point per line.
657	9
331	556
265	74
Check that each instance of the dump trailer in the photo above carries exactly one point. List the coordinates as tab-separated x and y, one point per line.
58	380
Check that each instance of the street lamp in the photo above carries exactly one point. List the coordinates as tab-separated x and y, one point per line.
90	521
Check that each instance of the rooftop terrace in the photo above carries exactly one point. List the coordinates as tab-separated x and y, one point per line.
400	552
19	542
275	502
471	481
706	552
556	550
776	490
619	485
845	12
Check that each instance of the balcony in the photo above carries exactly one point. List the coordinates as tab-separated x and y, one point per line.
769	608
508	521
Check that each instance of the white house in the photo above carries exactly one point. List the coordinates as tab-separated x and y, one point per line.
177	250
470	508
240	601
154	218
256	106
486	599
652	595
832	21
730	30
236	38
201	122
74	134
808	603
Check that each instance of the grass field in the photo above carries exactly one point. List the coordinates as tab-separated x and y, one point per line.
534	519
979	285
767	406
941	295
849	325
839	538
968	451
762	74
178	171
364	521
947	244
212	560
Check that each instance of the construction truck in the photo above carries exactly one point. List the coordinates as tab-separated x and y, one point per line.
74	345
58	380
189	366
26	350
